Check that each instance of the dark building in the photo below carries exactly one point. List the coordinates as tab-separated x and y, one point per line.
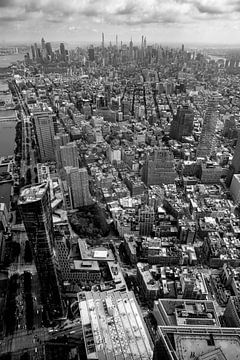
159	168
35	206
236	156
33	52
49	49
182	124
63	51
91	54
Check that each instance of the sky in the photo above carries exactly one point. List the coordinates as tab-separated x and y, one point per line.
161	21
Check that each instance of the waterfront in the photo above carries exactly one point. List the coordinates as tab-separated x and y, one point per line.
7	60
7	128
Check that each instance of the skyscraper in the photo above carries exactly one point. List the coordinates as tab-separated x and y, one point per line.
78	184
37	51
159	167
45	134
43	43
91	55
207	138
234	168
131	49
103	41
182	124
33	52
69	155
236	156
35	206
63	51
49	49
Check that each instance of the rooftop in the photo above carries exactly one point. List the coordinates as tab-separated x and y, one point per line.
98	253
32	193
113	327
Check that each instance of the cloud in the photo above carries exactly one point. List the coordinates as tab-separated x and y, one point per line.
129	12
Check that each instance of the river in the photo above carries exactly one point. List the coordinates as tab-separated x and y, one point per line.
7	60
7	128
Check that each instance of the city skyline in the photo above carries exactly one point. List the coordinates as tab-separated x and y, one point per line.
186	21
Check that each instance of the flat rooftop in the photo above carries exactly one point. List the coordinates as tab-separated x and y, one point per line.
203	344
32	193
85	265
188	312
113	327
98	253
200	345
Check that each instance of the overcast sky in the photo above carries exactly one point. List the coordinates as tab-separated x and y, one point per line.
200	21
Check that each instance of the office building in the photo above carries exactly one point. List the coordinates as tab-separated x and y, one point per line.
193	285
182	123
150	287
35	207
113	327
69	155
91	54
33	52
62	51
235	188
114	154
159	167
4	217
200	343
146	218
43	122
236	156
179	312
49	49
207	139
78	184
232	312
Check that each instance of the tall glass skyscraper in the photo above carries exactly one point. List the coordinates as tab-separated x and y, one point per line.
35	206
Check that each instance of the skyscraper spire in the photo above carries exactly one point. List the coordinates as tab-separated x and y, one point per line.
117	41
102	40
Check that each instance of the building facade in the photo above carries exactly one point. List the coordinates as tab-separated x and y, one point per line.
35	206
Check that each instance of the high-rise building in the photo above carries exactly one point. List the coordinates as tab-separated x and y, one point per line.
131	49
208	135
43	43
91	55
159	167
103	41
63	51
232	312
45	135
236	156
35	207
60	140
234	168
78	184
49	49
37	51
33	52
69	155
182	124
